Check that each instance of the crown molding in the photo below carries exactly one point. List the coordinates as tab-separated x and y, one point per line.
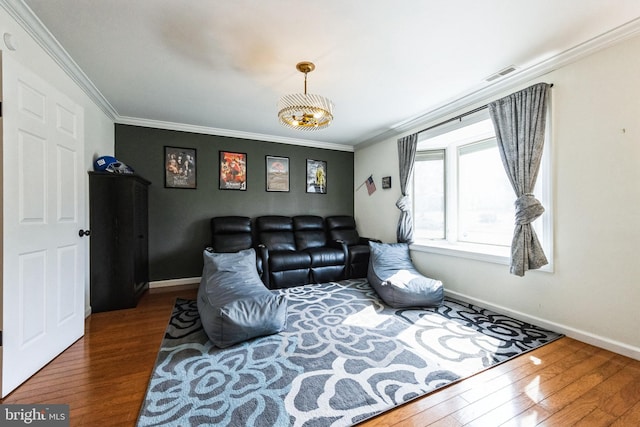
24	16
519	77
134	121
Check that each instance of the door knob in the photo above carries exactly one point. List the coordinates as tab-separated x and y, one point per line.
83	233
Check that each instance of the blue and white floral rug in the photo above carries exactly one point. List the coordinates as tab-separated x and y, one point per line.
344	357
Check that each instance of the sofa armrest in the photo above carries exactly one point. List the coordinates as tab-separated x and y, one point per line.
366	240
263	263
340	244
259	265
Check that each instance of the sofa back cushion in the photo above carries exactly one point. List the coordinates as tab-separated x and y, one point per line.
343	227
231	233
309	232
276	232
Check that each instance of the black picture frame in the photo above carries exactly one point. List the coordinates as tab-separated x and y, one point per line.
316	178
386	182
180	167
276	174
232	172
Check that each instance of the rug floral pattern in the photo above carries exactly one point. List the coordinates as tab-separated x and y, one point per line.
344	357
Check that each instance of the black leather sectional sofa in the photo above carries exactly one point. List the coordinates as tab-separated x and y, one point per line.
294	251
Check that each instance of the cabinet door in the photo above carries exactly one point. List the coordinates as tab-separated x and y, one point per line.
119	246
104	198
140	232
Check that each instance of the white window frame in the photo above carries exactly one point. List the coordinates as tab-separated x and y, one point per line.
432	153
450	246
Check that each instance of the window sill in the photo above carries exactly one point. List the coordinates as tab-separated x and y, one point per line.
486	253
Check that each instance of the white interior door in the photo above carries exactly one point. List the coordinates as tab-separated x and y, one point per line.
43	209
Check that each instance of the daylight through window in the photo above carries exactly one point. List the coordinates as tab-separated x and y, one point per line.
462	198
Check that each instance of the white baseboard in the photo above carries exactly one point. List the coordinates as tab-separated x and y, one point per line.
580	335
174	282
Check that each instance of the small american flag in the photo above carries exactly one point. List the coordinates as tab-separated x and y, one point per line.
371	186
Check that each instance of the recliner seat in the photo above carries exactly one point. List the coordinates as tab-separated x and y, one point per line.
234	234
343	228
231	233
328	258
283	264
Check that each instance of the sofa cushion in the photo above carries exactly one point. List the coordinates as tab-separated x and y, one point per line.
288	260
309	232
326	256
392	274
276	232
231	233
341	222
233	304
343	227
290	278
350	237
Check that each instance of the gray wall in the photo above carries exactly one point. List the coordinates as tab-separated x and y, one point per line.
179	218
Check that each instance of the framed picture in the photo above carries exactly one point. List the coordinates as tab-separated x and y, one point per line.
386	182
277	173
179	167
233	171
316	176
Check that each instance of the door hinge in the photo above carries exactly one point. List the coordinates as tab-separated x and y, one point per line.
0	338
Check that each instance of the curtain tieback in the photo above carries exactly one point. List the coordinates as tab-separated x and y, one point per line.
404	204
528	209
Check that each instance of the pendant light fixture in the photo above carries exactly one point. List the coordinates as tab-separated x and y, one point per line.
305	111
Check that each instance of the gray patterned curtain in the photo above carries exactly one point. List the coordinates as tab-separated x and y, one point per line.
519	120
406	158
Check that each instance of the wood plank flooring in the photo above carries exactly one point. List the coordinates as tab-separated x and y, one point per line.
104	375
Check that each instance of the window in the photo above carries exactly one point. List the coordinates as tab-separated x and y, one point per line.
485	197
428	195
463	203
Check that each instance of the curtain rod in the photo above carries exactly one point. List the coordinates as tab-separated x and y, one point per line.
460	117
453	119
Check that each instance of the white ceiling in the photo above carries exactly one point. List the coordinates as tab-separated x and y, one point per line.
222	65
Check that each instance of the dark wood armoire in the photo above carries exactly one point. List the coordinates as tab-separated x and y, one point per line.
119	247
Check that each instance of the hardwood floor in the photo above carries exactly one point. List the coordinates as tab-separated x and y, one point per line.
104	375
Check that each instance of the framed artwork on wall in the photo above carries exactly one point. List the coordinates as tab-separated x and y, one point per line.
277	173
180	167
233	171
386	182
316	176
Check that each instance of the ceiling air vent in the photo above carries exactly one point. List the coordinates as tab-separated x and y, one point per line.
501	73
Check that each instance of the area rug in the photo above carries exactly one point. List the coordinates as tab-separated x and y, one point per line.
343	358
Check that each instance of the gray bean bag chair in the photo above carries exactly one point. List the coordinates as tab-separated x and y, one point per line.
233	303
392	274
